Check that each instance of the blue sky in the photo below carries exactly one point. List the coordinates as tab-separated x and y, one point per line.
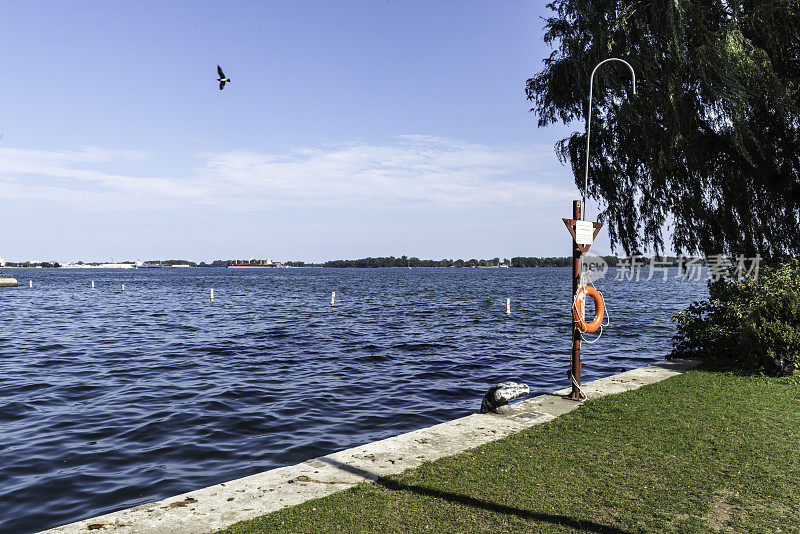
349	129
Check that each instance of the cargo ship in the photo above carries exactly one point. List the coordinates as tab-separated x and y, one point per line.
254	264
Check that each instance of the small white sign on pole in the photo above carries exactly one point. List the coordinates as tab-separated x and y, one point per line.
584	232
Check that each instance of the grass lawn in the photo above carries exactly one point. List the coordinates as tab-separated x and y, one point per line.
706	450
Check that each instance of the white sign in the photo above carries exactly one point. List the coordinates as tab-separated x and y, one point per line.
584	232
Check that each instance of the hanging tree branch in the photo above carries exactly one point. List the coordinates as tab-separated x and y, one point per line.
710	143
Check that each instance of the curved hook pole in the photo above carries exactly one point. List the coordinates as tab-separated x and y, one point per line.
589	125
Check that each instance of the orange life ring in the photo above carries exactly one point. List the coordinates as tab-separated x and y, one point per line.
599	309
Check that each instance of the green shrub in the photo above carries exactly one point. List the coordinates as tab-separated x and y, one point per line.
755	322
771	334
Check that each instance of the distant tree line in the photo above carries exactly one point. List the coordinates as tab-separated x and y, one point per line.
612	261
518	261
43	264
521	261
405	261
400	262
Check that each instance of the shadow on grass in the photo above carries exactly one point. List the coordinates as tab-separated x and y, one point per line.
393	485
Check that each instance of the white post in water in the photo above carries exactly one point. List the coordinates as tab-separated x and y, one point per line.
212	293
30	283
92	284
508	306
333	298
123	288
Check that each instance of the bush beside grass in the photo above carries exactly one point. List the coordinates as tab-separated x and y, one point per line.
698	452
754	322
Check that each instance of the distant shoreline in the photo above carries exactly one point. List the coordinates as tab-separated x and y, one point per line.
390	262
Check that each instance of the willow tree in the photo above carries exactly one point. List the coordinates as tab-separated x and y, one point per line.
709	148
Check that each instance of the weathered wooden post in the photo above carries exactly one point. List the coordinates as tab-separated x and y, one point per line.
577	252
583	234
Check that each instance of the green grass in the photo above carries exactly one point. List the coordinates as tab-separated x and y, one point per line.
698	452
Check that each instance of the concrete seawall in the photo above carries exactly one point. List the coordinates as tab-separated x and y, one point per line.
216	507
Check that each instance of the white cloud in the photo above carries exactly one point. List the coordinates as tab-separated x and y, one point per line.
68	178
411	170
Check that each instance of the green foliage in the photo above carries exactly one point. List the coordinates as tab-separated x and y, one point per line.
771	334
755	322
710	140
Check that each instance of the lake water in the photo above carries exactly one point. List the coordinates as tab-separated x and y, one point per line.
110	399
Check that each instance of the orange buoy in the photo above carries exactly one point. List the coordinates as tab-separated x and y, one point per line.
599	309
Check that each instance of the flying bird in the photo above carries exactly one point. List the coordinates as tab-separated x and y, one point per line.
222	79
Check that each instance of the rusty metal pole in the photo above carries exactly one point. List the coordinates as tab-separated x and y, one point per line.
576	281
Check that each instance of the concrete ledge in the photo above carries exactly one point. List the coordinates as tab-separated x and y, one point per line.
216	507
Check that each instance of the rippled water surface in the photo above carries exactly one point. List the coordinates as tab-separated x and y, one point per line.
112	399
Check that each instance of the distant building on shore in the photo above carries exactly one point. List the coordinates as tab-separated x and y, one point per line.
81	265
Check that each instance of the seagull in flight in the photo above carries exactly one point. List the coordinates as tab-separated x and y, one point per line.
222	79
